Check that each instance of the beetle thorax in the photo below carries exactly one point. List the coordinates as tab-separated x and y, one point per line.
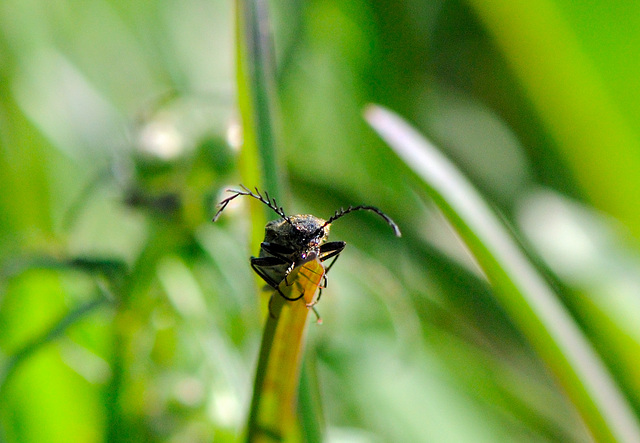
302	233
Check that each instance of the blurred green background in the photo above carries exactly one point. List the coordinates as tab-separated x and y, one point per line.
126	315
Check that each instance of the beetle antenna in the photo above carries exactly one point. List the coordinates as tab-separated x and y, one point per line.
257	195
279	210
339	213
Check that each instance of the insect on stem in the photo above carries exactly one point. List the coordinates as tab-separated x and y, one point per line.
297	246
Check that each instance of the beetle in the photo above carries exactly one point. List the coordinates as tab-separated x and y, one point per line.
296	240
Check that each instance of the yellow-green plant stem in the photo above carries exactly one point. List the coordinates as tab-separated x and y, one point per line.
272	412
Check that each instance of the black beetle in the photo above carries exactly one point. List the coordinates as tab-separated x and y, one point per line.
294	240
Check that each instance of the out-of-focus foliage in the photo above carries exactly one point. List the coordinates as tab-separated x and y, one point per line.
125	315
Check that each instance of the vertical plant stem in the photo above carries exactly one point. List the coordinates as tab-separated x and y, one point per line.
272	412
257	96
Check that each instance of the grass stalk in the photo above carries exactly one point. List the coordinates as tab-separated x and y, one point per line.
272	412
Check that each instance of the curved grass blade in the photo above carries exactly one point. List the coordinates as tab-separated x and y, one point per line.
50	335
528	299
273	412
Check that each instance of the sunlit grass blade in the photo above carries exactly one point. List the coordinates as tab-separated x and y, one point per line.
255	76
525	295
249	87
273	412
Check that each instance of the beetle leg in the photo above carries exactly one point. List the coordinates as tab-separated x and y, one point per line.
280	252
277	250
269	305
320	288
331	249
287	272
290	298
318	318
257	263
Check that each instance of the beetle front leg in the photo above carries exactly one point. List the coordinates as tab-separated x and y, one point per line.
258	263
282	253
329	250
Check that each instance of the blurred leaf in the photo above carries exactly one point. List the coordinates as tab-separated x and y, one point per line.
59	328
599	264
574	103
522	291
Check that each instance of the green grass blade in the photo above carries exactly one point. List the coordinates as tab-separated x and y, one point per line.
257	97
309	402
525	295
